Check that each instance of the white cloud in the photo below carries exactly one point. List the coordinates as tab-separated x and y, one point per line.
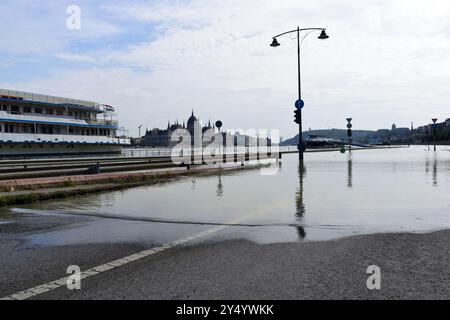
39	27
385	62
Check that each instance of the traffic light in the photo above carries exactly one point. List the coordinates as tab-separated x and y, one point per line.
297	116
349	133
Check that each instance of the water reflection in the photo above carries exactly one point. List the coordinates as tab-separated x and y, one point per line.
349	171
299	202
435	182
434	168
276	204
219	191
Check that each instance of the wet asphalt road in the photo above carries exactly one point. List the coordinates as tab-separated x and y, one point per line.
412	266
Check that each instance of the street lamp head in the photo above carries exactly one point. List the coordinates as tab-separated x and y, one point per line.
323	35
275	43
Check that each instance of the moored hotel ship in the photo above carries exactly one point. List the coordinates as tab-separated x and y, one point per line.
40	125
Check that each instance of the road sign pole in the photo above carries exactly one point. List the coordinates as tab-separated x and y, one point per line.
349	134
434	132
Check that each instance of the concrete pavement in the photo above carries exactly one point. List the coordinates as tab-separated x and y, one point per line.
412	266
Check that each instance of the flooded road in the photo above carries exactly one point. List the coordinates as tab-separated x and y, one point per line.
332	195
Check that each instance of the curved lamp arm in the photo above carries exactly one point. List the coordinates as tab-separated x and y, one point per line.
297	30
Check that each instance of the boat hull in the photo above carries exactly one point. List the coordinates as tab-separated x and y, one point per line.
25	150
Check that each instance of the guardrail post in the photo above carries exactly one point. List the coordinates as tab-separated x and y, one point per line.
224	155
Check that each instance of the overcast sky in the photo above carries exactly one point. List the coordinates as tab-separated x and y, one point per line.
385	61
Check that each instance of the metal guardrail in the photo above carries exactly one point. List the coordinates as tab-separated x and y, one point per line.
167	152
135	159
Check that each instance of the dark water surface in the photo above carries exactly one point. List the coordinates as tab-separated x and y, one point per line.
331	196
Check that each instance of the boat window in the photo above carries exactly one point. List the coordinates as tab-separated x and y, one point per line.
9	128
15	109
37	110
27	109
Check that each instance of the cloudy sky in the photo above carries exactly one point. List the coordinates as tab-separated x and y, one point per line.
385	61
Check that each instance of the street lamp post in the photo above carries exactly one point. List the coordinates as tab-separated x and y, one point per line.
299	104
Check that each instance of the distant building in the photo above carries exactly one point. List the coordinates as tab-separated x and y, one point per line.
401	132
161	138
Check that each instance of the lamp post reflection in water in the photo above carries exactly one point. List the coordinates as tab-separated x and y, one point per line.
350	171
299	202
219	191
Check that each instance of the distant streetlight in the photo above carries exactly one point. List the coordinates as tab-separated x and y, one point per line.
299	104
219	125
434	131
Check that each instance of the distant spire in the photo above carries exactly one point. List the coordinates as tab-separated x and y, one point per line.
168	124
192	112
412	126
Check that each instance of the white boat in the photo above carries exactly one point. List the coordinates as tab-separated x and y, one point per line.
40	125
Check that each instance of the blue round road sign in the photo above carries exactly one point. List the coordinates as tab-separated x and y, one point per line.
299	104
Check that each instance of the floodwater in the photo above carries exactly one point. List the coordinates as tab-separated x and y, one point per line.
331	196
